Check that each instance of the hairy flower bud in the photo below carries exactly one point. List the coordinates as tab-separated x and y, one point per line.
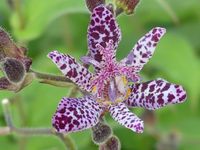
91	4
128	6
6	85
14	70
112	143
27	63
8	47
101	132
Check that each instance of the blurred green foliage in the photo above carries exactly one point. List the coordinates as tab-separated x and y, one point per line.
62	24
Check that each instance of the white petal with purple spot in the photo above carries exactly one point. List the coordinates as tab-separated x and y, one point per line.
101	30
70	68
156	94
75	114
126	118
144	49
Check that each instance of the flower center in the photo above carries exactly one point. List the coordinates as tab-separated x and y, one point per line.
113	91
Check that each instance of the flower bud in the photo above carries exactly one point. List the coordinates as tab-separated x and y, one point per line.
14	70
112	143
128	6
91	4
27	63
101	132
8	47
6	85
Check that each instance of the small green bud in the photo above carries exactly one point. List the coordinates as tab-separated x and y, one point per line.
14	70
101	132
128	6
112	143
91	4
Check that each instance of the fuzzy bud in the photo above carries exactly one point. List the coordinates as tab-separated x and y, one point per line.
8	47
27	63
91	4
14	70
128	6
6	85
112	143
101	132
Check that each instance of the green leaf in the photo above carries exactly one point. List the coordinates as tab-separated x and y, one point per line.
167	11
190	30
37	15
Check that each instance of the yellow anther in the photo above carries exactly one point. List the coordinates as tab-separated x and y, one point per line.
124	80
107	103
128	93
94	89
99	100
119	100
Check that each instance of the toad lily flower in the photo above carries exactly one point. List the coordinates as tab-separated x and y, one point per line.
114	86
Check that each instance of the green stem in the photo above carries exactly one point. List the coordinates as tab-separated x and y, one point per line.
31	131
169	11
17	7
67	141
55	80
4	131
7	112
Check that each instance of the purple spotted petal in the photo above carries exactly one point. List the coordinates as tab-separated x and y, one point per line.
144	49
101	30
156	94
126	118
75	114
70	68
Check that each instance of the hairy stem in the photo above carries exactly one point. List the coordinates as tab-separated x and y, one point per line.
4	131
55	80
7	113
17	7
67	141
31	131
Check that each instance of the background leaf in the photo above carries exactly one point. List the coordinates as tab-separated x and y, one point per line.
37	15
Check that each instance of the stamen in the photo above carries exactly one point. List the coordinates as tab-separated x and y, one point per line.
94	89
112	91
128	93
121	83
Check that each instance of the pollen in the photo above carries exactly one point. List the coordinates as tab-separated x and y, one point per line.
128	93
94	89
125	81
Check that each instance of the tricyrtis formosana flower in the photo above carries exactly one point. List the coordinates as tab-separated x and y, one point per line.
114	86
